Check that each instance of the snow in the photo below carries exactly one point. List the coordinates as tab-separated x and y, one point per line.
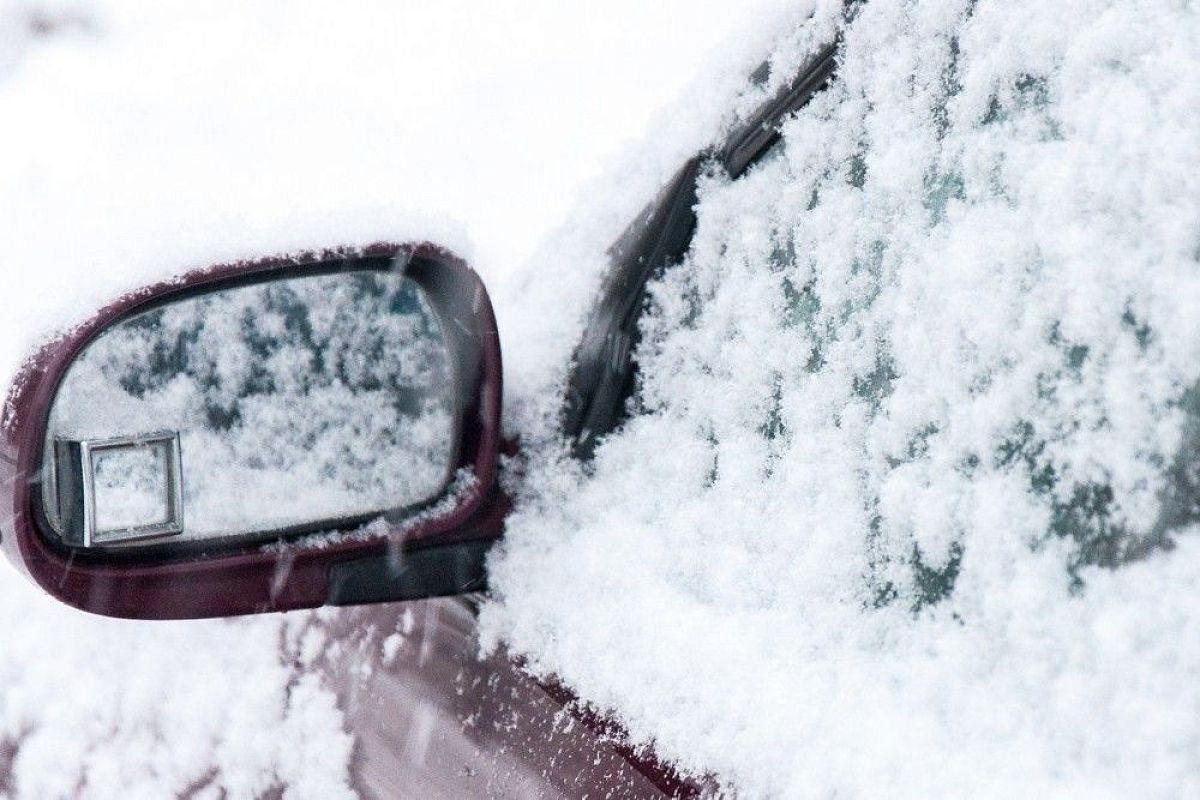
110	708
907	507
142	139
395	641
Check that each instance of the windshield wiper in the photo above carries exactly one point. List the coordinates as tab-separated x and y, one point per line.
603	374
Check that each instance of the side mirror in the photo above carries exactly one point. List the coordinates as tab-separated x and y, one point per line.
280	434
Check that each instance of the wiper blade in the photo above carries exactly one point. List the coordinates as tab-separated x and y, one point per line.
754	138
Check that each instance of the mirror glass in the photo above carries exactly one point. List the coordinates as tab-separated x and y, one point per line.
320	400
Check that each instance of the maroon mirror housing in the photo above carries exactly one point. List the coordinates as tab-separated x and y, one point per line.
436	547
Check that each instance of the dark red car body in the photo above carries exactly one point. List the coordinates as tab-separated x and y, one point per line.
436	720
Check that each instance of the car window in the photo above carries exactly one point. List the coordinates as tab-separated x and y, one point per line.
1081	508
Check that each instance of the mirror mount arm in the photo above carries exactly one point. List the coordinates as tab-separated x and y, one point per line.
440	570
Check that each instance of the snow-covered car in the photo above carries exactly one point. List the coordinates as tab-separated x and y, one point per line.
879	439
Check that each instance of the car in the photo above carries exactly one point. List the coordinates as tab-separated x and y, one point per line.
337	371
872	470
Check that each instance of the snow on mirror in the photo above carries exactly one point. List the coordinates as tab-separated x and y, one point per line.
307	403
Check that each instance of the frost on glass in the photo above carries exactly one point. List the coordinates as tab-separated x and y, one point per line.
300	402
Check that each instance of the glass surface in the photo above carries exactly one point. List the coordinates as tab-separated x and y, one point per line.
301	402
130	488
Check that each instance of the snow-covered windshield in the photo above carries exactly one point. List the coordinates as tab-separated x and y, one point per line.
296	402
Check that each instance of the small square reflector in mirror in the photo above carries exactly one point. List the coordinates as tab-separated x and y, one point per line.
120	489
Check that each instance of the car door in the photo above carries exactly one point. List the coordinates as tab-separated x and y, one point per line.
432	719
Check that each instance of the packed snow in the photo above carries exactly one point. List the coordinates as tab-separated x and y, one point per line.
907	504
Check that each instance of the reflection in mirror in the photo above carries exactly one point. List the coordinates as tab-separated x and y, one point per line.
118	489
310	402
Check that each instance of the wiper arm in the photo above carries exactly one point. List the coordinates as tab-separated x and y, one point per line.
604	373
754	138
